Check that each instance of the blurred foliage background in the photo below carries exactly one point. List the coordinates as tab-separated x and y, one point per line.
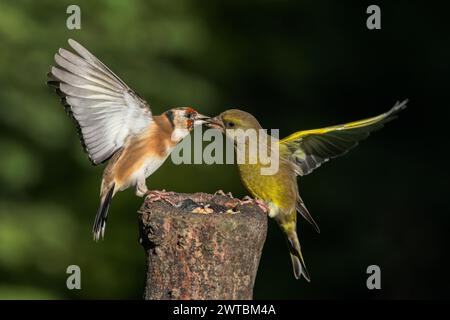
294	65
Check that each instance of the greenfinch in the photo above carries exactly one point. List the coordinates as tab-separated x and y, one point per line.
298	155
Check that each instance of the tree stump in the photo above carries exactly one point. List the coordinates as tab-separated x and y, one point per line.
201	246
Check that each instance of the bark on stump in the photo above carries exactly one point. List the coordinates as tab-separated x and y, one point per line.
203	247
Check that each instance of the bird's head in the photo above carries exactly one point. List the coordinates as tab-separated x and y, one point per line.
184	119
233	119
248	138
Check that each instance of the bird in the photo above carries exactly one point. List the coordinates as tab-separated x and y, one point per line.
298	155
116	125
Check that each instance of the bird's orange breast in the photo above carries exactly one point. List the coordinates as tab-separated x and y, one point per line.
155	142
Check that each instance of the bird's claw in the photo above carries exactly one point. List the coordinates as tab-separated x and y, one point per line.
156	195
222	193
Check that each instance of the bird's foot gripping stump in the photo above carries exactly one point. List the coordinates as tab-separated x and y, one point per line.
201	246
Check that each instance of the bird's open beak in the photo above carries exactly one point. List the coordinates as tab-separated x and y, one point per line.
200	119
215	123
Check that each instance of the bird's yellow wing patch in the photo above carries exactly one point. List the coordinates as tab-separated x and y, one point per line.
310	148
346	126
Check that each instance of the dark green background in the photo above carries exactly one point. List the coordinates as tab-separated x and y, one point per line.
294	65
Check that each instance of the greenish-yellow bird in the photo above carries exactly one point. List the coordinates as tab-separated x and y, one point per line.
297	155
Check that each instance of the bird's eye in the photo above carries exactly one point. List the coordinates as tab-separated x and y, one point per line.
190	115
229	124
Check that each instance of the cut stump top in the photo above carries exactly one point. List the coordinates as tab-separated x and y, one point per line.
201	246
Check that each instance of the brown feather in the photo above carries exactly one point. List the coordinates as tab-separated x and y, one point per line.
155	142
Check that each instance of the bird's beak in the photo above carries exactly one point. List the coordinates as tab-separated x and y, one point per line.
200	119
215	123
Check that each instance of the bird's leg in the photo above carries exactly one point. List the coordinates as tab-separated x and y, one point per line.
141	188
156	195
222	193
263	205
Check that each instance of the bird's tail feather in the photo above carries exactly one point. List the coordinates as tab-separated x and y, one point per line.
298	263
98	230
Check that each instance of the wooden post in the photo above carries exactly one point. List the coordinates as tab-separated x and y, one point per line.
201	246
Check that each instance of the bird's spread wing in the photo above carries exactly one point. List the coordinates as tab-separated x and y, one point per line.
105	109
309	149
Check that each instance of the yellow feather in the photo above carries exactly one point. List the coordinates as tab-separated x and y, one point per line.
347	126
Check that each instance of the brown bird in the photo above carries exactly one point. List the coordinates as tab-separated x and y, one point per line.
116	124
